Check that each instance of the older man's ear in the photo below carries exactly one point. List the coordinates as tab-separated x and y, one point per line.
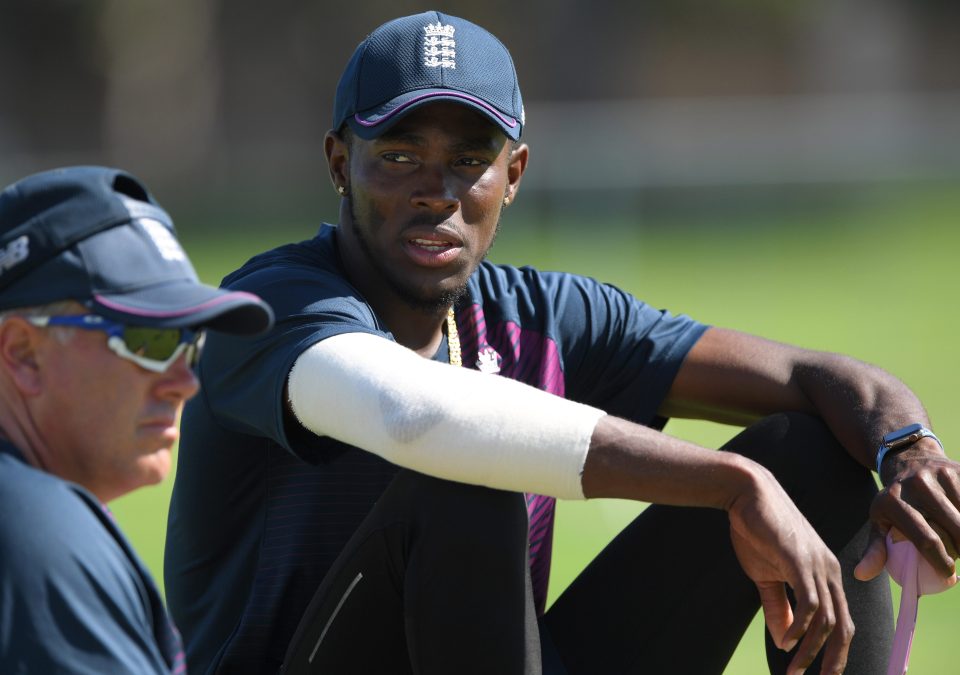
18	355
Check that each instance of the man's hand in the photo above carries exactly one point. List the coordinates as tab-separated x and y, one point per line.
774	543
776	546
922	500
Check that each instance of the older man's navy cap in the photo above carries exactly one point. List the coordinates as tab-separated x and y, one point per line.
97	236
414	60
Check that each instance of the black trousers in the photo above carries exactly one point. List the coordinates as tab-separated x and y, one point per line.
436	580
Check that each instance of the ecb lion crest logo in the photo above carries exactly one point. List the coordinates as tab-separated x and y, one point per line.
488	360
439	47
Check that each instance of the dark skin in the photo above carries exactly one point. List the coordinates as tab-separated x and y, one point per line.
423	206
440	175
733	377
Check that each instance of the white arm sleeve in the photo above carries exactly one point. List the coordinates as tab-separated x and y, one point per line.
447	422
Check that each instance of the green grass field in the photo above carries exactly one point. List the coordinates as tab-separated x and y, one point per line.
877	280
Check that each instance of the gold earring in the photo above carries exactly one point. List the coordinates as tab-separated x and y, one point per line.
506	201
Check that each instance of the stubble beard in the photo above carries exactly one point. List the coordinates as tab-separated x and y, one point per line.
419	301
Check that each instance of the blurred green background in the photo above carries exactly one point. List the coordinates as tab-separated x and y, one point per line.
874	277
790	169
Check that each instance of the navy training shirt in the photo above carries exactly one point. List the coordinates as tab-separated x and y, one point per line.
74	597
261	507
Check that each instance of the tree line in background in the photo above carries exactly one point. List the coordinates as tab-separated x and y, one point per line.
202	95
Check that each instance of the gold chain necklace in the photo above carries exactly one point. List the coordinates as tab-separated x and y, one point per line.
453	340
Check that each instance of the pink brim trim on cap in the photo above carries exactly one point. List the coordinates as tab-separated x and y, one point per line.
509	121
136	311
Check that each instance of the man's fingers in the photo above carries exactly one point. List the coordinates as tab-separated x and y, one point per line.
928	542
820	629
925	507
949	540
950	484
890	510
943	514
807	605
936	501
777	612
777	548
874	558
837	647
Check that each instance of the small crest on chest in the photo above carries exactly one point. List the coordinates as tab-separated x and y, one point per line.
489	360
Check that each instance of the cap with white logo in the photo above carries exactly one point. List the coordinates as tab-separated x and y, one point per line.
414	60
97	236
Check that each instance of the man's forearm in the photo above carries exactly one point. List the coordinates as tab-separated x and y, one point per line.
630	461
736	378
462	425
860	403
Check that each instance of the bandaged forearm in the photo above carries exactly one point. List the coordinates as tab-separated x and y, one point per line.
447	422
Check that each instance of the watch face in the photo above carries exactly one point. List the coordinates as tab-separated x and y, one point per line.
907	434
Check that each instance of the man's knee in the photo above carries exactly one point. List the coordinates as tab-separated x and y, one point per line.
452	510
808	460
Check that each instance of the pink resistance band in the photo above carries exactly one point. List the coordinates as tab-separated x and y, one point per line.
916	577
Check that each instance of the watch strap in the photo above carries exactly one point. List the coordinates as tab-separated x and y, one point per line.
885	448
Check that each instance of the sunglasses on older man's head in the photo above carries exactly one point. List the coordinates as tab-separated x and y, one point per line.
152	348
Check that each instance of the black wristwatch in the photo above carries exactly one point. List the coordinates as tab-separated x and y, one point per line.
903	438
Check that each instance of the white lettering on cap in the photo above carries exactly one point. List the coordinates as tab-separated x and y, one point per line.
14	253
162	238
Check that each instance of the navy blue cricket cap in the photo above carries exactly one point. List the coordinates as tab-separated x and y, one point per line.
414	60
97	236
